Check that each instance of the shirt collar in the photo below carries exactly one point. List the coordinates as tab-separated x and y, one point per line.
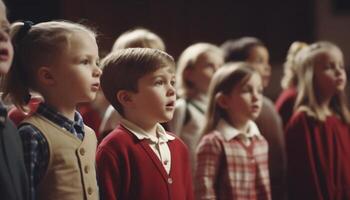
163	136
229	132
201	101
62	121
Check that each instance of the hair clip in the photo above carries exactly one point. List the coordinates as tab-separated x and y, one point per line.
27	25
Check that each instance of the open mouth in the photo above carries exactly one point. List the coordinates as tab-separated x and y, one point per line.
170	105
96	86
4	54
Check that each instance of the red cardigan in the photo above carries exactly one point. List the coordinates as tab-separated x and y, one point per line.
318	158
129	169
285	104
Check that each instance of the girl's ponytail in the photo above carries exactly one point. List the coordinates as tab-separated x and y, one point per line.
15	82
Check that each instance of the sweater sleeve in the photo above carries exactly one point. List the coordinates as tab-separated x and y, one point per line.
208	158
302	179
108	174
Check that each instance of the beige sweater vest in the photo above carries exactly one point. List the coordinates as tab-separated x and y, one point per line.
70	174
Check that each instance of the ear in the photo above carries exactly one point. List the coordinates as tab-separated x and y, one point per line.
45	76
221	100
124	97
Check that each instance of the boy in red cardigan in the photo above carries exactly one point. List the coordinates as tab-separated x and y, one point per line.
139	159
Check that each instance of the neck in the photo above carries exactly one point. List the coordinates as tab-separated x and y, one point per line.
241	125
324	105
66	110
149	127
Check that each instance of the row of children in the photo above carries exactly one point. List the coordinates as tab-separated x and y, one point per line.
214	116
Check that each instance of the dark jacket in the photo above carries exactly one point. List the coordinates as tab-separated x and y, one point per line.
13	178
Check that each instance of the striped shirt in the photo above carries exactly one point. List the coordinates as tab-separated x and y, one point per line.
232	164
36	150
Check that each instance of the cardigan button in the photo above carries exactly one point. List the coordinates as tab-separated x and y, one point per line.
82	151
86	169
89	190
170	180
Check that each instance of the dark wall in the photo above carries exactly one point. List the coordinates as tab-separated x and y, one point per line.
183	22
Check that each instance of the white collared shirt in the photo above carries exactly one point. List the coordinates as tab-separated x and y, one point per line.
229	132
158	144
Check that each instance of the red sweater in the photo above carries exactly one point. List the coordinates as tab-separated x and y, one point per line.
285	104
129	169
318	158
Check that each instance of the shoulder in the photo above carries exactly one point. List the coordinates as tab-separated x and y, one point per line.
176	142
211	141
119	138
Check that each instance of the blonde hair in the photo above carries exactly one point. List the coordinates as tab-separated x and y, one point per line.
187	60
35	46
307	99
122	70
224	81
139	37
290	78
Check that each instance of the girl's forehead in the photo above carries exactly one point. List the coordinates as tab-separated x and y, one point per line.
329	54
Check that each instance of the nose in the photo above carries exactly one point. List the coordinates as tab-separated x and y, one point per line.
171	90
4	37
255	96
96	72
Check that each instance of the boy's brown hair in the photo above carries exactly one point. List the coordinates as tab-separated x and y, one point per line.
123	68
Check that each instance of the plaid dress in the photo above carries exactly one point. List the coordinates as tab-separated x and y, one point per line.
232	165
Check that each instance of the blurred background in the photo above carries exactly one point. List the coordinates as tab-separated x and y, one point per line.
183	22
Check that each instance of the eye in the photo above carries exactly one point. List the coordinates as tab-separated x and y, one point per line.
159	82
5	28
85	61
172	82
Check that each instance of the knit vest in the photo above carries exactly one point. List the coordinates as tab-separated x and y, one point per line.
70	173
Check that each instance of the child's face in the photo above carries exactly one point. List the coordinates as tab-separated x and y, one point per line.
244	102
6	49
76	71
155	98
203	70
329	72
259	57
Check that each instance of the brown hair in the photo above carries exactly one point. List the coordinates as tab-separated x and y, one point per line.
239	49
123	68
139	37
224	81
35	46
307	99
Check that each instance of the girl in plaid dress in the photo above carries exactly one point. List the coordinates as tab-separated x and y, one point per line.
232	155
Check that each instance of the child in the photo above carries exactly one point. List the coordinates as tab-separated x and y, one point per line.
196	66
59	61
285	102
252	50
232	156
318	137
139	159
138	37
13	178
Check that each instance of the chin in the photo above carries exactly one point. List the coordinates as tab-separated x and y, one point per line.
4	68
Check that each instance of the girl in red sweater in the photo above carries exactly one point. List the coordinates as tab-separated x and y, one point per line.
318	139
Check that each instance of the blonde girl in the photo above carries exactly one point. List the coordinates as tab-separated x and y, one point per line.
58	60
317	135
195	68
286	100
232	156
